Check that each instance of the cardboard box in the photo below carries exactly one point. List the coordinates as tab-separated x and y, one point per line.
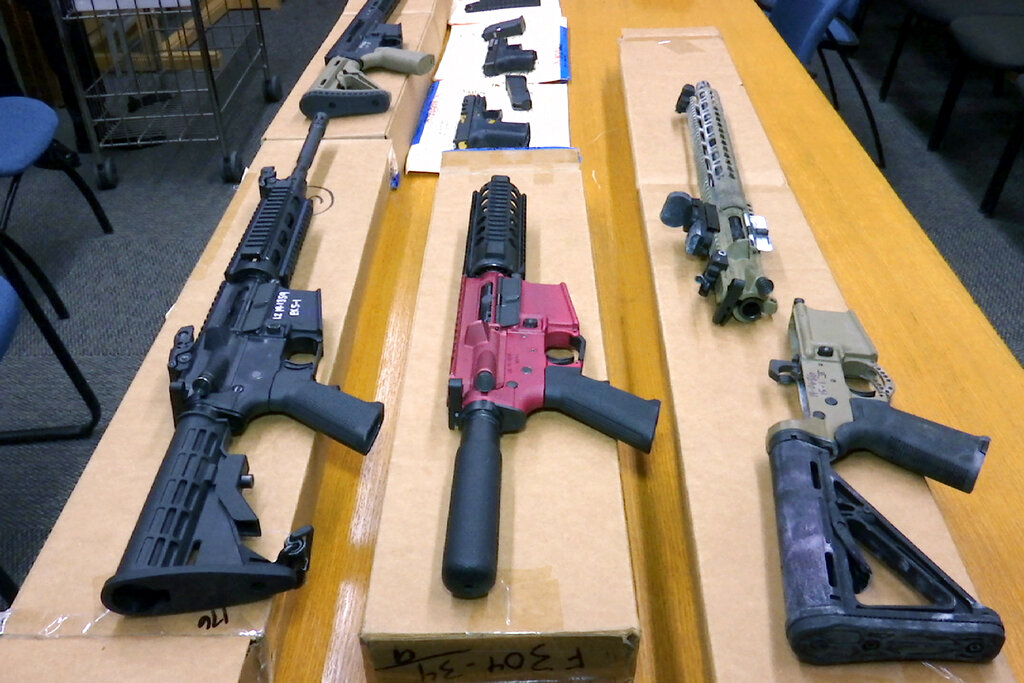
722	442
60	596
155	659
564	603
398	124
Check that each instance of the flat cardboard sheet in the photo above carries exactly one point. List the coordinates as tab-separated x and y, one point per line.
564	598
60	597
398	123
722	441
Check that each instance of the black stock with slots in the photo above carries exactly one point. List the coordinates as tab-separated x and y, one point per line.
257	354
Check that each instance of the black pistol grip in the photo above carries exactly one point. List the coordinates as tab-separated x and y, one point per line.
919	445
186	553
470	563
326	408
825	623
613	412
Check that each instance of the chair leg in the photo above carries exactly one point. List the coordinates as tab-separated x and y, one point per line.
86	191
5	214
8	589
1002	172
828	77
890	68
956	83
49	291
72	431
867	107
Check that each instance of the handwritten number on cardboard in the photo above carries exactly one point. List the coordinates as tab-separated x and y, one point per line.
453	664
214	619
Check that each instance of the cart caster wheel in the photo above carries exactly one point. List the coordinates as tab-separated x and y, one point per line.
106	175
231	168
272	91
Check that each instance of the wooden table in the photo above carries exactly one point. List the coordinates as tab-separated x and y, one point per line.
950	364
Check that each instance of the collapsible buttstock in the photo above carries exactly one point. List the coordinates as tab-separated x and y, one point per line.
470	563
821	520
342	89
186	552
613	412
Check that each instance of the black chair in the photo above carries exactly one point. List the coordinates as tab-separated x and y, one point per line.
940	13
1013	145
841	38
27	128
813	26
989	42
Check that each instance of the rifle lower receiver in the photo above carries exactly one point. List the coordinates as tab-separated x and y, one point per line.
517	349
823	522
482	128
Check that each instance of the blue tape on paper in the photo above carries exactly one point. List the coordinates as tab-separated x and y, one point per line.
563	53
425	112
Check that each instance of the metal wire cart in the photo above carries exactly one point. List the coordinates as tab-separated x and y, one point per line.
157	71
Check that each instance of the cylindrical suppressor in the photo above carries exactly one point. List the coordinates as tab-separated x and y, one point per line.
720	225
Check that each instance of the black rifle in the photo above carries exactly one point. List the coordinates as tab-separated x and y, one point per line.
186	552
482	128
342	89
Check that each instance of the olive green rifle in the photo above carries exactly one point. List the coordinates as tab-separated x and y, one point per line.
720	226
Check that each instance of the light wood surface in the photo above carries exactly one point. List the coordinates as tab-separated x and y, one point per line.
948	362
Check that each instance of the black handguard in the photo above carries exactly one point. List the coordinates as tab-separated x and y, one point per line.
186	552
822	522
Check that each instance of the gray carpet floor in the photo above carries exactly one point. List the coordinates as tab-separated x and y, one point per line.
171	198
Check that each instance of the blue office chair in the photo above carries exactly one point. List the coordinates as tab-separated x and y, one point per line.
27	127
813	26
